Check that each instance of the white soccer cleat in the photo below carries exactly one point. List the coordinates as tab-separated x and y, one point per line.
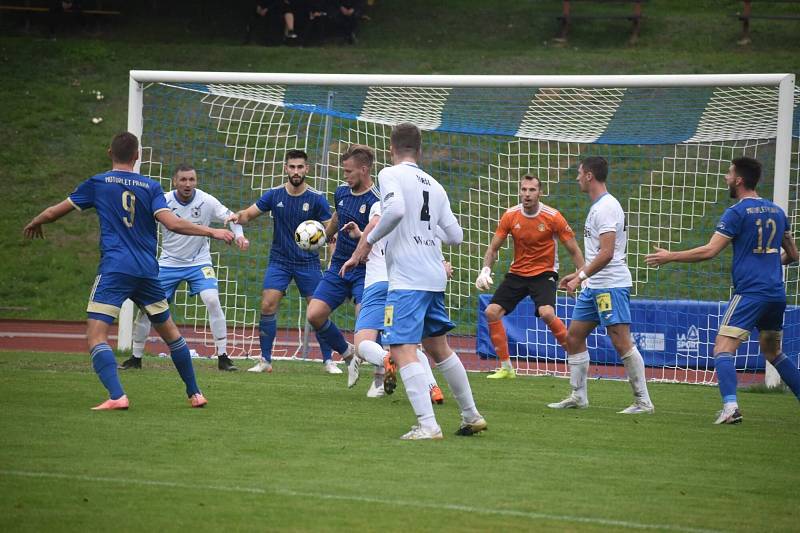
420	433
638	407
376	391
471	427
261	366
353	367
729	415
330	367
570	402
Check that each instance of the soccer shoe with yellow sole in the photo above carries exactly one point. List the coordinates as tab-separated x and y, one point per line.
503	373
420	433
729	415
197	400
638	407
120	404
261	366
131	363
471	427
389	374
436	395
570	402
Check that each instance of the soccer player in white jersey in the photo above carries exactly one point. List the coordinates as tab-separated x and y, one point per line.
605	299
415	220
188	258
369	323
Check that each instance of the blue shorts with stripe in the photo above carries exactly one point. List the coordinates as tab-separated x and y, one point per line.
334	289
199	278
411	316
111	289
279	275
606	307
373	305
745	313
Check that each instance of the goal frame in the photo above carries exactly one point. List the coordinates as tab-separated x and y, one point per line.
785	83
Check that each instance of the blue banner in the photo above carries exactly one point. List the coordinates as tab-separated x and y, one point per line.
671	333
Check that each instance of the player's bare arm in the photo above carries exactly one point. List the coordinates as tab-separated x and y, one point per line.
485	281
245	215
363	248
790	254
575	253
606	253
708	251
332	228
184	227
33	229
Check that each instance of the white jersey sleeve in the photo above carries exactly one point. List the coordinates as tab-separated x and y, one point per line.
413	251
221	214
606	215
376	261
188	250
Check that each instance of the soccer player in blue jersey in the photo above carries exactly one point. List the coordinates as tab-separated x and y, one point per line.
353	202
128	206
758	229
290	204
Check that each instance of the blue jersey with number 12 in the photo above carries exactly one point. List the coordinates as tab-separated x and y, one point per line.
756	227
126	204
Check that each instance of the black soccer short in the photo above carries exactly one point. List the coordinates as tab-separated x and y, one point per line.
541	288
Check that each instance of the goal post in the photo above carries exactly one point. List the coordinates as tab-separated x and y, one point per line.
669	140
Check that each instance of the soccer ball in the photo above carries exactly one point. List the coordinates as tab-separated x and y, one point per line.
310	235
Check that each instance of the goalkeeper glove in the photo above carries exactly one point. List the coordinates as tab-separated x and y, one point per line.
484	281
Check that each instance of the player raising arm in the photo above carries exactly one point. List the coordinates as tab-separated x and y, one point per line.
606	298
755	226
128	206
534	228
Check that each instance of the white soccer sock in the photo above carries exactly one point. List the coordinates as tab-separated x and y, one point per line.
456	377
634	366
141	327
423	360
413	376
371	352
216	318
578	373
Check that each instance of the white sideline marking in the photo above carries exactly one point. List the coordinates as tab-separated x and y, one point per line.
362	499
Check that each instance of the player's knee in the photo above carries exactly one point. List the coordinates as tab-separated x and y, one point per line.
494	313
316	316
547	313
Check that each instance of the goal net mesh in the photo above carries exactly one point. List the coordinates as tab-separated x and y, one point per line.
668	150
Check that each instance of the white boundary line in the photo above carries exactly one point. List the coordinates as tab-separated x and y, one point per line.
533	516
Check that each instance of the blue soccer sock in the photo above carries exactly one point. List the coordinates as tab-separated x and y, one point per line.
330	335
788	372
726	376
182	360
324	348
267	329
105	366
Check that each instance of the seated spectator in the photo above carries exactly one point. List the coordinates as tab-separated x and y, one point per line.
316	28
272	22
347	13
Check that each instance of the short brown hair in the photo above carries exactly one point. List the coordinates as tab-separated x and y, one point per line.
598	166
183	167
124	147
361	153
406	139
532	177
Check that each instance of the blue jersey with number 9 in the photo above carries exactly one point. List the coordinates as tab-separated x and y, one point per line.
756	227
126	205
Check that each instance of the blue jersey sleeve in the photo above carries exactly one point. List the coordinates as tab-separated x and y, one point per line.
158	202
729	223
83	195
264	203
323	213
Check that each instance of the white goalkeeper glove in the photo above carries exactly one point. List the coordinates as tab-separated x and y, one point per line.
484	281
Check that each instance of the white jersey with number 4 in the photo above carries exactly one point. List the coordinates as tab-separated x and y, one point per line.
413	251
376	261
604	216
190	250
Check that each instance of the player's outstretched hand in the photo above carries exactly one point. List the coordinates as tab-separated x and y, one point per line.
448	269
33	231
233	217
352	230
657	258
484	281
222	235
242	243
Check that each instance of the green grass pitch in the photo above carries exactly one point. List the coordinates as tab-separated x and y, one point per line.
296	450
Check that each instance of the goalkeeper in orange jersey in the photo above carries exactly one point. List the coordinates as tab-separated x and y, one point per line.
536	229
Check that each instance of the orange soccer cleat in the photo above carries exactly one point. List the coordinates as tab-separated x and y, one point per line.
198	400
390	374
120	404
436	395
